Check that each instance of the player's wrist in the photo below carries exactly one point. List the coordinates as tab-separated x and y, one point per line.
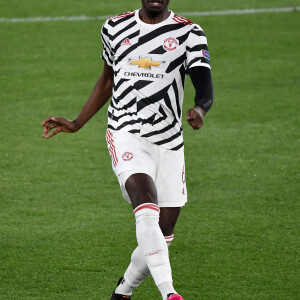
200	110
76	124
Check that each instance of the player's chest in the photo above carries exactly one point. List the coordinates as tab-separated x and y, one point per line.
152	45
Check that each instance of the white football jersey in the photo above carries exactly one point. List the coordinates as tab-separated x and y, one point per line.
150	62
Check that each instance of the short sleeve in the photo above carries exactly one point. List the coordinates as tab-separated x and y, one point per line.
107	53
197	49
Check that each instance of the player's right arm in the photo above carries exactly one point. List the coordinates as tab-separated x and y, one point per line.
99	96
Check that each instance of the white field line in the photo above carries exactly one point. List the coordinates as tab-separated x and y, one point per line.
186	14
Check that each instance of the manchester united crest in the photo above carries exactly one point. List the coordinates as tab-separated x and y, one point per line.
171	44
127	156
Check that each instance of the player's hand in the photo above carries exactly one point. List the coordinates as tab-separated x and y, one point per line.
194	116
54	125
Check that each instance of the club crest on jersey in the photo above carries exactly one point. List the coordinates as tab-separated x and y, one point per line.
205	54
127	156
170	44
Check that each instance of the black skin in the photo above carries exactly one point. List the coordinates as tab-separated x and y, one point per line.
154	14
140	187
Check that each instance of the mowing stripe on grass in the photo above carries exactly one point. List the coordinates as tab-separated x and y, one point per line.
187	14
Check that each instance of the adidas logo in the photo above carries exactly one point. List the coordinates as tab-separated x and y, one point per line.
126	42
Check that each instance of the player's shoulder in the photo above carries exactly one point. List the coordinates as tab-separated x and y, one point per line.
189	24
182	20
115	20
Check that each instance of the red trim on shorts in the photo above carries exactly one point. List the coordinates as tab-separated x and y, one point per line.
111	149
147	205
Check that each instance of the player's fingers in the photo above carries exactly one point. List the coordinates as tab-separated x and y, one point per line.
56	131
190	118
188	114
195	126
47	120
49	134
198	124
45	131
47	128
191	123
65	124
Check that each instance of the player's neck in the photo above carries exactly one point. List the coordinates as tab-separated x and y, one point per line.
150	17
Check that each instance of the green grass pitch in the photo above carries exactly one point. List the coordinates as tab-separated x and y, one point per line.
66	233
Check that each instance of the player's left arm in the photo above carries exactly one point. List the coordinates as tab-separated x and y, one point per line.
99	96
202	82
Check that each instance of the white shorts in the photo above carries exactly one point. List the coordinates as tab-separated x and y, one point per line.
131	154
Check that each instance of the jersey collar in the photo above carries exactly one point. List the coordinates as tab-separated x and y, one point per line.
139	21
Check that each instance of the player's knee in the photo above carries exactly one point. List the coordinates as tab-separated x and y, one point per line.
139	197
141	189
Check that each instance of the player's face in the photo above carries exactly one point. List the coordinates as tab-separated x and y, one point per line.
155	5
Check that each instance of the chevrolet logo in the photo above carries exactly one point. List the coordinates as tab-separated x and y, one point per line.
145	63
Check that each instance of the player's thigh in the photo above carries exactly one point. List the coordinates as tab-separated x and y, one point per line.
170	178
128	152
134	166
141	189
